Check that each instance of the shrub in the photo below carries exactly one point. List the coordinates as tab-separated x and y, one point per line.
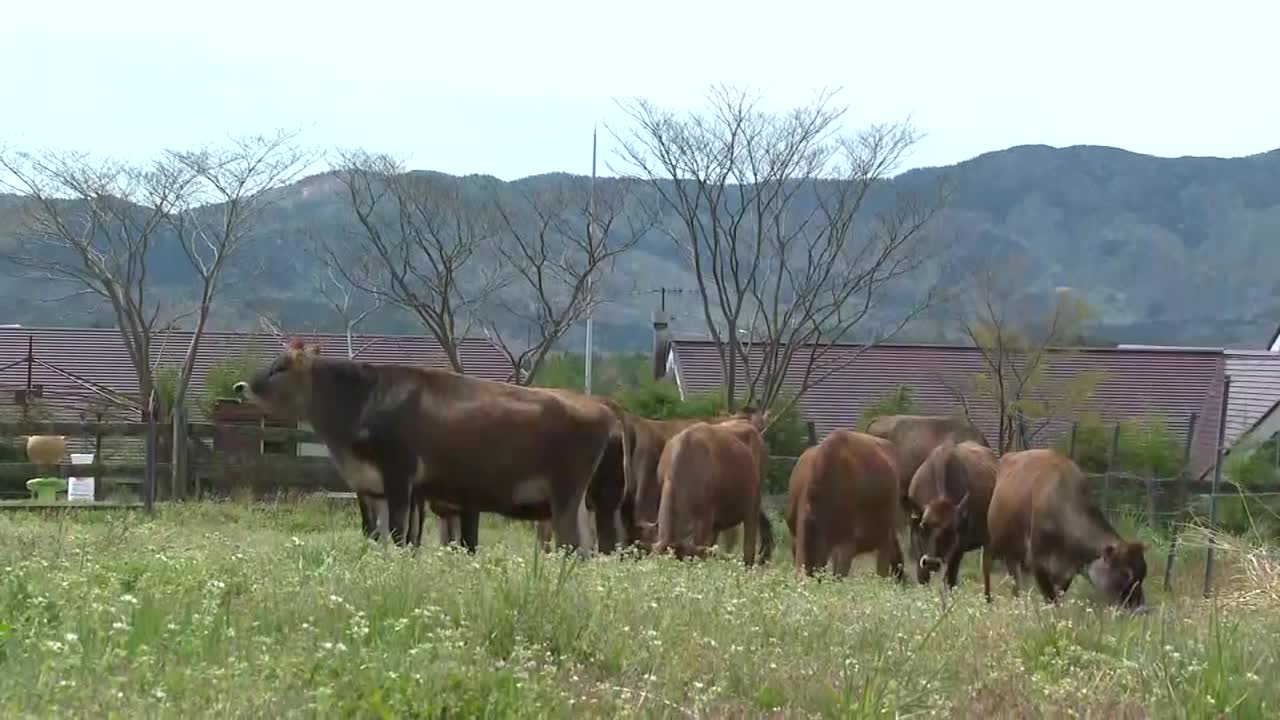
1147	446
896	402
222	377
660	400
1252	464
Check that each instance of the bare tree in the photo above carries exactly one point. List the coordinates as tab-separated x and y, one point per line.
92	226
793	230
555	241
96	225
349	302
421	234
1017	360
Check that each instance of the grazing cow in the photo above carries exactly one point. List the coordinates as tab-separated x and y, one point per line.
712	476
843	501
468	442
648	438
949	496
913	438
1041	520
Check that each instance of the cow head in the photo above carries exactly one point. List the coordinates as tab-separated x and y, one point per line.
648	533
941	526
284	386
1118	573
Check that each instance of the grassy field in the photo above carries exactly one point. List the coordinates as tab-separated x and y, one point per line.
240	610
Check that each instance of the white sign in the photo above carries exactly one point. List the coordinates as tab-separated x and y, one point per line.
80	488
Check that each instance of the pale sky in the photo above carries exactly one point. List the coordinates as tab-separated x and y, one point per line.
512	88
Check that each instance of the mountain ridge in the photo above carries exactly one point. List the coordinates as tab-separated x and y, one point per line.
1171	250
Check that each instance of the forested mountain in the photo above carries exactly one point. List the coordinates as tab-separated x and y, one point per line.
1170	250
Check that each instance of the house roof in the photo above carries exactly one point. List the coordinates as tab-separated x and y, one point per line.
74	364
1173	383
1274	345
1255	390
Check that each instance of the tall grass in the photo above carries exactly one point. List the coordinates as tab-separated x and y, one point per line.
283	610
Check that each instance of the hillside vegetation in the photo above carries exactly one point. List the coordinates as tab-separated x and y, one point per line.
1179	250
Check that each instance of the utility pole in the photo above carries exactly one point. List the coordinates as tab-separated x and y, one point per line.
591	248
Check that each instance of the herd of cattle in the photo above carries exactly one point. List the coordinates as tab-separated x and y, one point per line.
407	437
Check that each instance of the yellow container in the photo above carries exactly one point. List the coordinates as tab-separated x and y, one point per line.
46	449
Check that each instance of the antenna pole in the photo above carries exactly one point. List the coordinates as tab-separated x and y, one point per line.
591	248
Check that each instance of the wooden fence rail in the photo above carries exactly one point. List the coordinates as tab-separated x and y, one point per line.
289	470
137	430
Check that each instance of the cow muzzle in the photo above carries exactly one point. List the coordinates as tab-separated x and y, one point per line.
930	563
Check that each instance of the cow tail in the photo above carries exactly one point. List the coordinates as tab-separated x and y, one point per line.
766	537
684	463
628	482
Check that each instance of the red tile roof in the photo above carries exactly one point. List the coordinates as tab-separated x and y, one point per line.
99	357
1172	383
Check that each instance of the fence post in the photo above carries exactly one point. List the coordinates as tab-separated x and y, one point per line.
1180	498
1213	493
812	429
178	476
1075	427
1106	478
98	485
149	481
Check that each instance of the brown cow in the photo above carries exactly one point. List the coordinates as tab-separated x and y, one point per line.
648	438
913	438
605	498
1041	520
472	443
949	496
842	502
712	477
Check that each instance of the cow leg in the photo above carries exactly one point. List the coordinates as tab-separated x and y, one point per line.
383	529
889	558
469	529
416	503
606	532
630	526
368	519
397	483
987	558
448	528
564	517
808	546
542	530
1015	572
750	535
842	560
1045	581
